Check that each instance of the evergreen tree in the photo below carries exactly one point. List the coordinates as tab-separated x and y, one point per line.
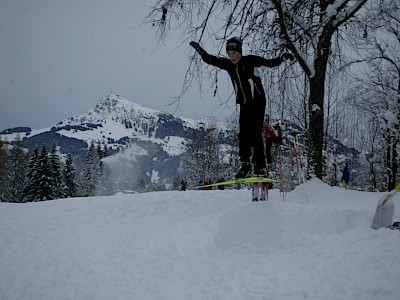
30	186
91	173
16	171
106	184
56	174
100	151
45	181
70	185
3	168
105	151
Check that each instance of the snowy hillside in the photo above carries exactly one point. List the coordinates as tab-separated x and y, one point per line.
317	244
115	121
146	140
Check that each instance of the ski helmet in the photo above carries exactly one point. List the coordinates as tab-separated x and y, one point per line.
234	44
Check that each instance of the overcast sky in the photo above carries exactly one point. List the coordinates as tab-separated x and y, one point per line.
58	58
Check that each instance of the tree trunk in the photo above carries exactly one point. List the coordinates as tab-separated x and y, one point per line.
317	123
394	167
396	141
316	100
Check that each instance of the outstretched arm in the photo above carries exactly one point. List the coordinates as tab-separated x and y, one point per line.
210	59
258	61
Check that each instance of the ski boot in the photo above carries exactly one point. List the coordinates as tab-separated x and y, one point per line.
255	193
245	171
260	171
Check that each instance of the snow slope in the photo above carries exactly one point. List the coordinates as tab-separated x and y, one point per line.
317	244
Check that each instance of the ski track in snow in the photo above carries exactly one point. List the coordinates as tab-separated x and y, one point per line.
318	244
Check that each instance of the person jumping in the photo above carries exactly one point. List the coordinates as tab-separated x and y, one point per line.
250	96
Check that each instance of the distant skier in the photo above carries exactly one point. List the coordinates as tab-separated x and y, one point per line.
250	96
183	185
271	135
345	175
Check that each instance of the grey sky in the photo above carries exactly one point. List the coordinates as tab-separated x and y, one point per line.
58	58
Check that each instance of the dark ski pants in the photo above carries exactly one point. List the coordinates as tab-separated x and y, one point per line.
268	147
251	121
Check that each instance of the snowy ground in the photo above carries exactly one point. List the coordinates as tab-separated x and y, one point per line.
318	244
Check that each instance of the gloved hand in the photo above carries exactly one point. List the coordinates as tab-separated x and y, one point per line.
287	56
197	47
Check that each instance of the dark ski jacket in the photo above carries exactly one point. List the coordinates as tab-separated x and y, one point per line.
346	174
244	75
270	135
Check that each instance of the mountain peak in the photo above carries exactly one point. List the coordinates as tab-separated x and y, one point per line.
112	100
116	104
111	108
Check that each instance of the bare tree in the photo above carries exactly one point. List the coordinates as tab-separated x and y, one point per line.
203	156
305	27
378	89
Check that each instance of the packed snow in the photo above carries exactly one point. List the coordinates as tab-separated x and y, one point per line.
316	243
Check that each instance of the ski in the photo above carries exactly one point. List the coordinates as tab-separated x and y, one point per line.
256	179
239	180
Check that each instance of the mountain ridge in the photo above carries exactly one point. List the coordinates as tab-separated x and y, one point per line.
152	139
148	142
113	121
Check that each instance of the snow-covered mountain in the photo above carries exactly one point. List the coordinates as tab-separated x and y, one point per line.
114	121
129	131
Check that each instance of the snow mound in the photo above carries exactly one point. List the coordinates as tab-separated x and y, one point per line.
317	244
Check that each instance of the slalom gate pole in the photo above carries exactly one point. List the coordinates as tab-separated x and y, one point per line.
299	161
282	192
